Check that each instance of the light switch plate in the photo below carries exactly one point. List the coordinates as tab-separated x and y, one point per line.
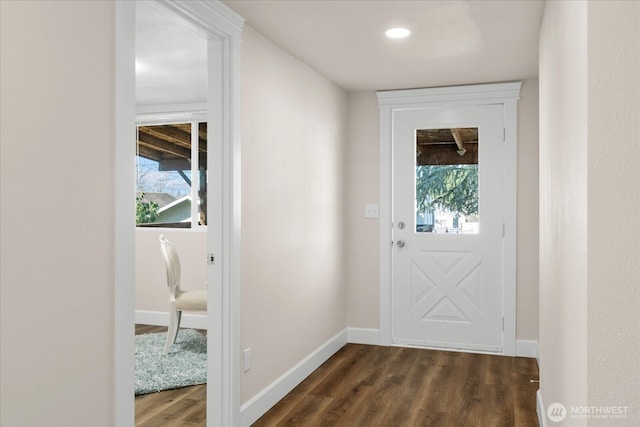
371	210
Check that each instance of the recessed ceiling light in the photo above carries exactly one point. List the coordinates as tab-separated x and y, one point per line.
140	67
397	33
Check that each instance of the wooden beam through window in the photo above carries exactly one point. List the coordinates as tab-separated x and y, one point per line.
459	142
454	146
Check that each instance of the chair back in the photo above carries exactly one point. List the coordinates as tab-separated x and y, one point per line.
171	263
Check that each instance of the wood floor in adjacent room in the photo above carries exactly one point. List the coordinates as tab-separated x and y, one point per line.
182	407
368	386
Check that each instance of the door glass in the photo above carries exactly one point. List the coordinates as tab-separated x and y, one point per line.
446	181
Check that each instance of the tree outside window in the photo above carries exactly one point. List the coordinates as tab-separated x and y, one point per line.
447	180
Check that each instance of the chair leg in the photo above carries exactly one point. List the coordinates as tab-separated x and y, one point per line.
178	318
174	325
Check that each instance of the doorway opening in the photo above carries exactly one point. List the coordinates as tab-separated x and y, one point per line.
171	90
221	30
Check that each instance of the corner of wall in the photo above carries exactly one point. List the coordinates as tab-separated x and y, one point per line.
259	404
542	416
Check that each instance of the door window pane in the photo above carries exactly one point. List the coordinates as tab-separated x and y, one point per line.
446	181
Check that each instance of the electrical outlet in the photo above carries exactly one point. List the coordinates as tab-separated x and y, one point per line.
246	362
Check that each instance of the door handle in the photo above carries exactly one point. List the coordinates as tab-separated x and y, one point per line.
400	243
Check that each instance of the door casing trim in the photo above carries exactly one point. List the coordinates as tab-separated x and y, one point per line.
505	94
223	29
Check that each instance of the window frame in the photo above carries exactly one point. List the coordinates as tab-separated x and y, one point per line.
170	118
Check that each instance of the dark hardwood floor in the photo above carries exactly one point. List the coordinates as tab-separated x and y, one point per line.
396	387
381	386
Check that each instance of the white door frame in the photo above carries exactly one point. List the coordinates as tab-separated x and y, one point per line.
505	94
223	29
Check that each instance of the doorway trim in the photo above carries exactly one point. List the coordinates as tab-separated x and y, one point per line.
223	29
505	94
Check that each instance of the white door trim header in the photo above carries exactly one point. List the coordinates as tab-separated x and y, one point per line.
506	94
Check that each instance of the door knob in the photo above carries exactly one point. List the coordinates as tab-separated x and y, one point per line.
400	243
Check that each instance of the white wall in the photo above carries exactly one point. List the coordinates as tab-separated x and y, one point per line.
527	264
363	281
57	224
563	203
589	207
293	139
613	326
362	187
152	293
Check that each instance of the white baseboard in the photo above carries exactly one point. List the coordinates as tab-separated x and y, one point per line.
258	405
363	336
524	348
542	417
161	318
527	348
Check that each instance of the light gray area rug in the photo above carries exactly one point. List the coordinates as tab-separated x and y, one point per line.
184	365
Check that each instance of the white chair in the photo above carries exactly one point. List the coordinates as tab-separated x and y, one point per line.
179	300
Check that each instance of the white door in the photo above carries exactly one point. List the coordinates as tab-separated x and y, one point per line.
447	285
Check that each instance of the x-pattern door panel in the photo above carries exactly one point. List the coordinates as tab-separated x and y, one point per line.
456	299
